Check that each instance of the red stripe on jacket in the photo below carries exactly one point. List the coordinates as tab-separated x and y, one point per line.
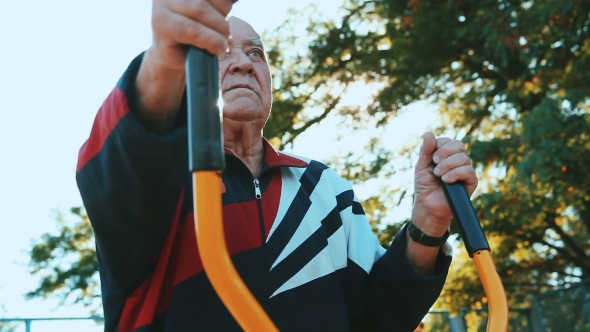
110	113
242	232
142	306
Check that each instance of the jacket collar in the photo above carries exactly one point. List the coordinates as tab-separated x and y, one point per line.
275	158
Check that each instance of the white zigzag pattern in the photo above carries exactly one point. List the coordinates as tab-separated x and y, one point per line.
332	258
354	240
322	202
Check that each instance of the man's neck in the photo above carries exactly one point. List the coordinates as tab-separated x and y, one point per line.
245	141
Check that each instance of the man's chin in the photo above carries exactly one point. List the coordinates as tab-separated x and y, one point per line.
244	114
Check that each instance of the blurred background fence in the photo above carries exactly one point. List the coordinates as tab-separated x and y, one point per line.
564	309
52	324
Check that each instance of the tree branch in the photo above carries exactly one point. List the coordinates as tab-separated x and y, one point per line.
580	257
585	215
487	74
311	122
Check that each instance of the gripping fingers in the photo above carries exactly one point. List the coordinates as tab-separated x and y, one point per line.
442	141
462	173
209	32
210	13
223	6
447	148
453	161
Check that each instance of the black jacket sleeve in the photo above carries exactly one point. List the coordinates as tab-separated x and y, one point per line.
398	297
383	291
130	181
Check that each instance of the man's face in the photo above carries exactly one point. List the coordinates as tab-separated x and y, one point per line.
245	76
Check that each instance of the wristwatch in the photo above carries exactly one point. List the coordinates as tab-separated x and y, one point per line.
417	235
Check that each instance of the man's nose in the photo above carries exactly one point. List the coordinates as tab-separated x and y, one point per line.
241	63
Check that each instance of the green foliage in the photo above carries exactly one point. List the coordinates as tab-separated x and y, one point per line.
511	79
66	262
8	327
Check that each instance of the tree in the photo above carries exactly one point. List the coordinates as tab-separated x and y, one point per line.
66	262
510	80
6	326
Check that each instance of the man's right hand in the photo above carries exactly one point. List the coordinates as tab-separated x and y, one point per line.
176	25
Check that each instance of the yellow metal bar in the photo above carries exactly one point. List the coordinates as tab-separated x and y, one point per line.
492	286
216	260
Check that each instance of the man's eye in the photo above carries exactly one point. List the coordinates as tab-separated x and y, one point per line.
256	54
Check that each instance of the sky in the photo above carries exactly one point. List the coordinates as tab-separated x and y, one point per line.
58	61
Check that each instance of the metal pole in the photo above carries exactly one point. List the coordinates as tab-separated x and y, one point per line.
539	314
585	300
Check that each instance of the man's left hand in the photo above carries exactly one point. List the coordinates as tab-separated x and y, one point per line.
440	158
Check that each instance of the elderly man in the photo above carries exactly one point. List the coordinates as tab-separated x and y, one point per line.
296	232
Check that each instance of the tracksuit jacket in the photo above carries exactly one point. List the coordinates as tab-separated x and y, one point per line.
297	234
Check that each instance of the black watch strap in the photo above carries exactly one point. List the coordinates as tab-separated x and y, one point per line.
417	235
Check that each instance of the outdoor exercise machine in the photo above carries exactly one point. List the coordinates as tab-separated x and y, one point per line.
207	162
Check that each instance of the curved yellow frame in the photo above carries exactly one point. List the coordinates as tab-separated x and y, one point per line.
492	286
215	258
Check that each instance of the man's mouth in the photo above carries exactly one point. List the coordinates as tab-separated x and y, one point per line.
240	86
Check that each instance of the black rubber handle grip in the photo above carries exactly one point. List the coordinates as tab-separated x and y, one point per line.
205	138
469	226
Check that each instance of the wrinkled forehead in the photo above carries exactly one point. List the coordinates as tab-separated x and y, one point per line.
252	41
243	33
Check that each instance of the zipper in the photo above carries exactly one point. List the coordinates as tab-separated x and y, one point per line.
257	189
260	214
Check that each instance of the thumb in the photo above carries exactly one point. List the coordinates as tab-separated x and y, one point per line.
426	151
